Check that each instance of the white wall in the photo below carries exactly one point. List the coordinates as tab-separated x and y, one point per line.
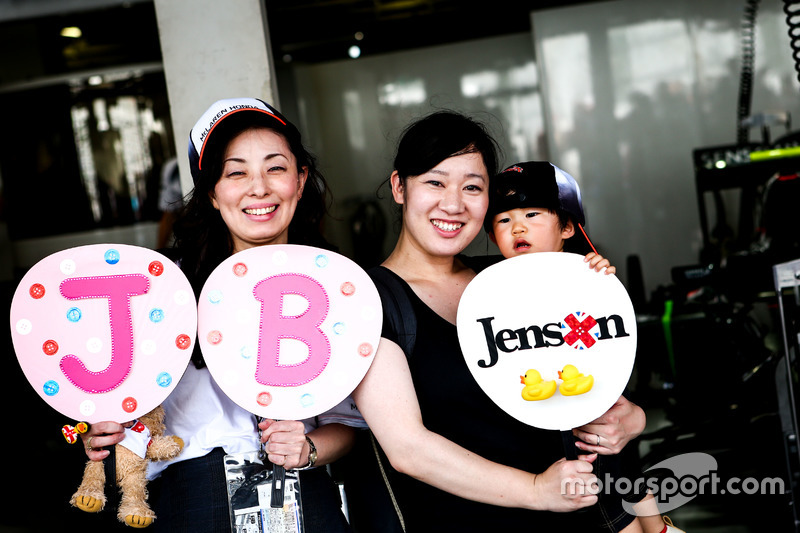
353	111
620	92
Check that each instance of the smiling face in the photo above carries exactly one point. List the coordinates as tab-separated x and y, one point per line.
258	189
529	229
443	208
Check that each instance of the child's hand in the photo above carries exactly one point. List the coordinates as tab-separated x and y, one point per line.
598	262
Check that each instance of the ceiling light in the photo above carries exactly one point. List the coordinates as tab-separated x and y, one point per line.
73	32
354	51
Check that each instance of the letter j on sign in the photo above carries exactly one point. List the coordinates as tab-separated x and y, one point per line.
105	331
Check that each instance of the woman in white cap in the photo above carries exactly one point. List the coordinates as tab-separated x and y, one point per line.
254	185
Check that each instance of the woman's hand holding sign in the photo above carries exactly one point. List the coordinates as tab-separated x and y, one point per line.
567	485
609	434
284	441
100	438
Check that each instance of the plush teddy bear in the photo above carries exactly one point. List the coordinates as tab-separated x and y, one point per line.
144	441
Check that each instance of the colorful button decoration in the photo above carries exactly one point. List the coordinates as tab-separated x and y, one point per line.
183	341
239	269
112	257
156	268
37	290
365	349
129	404
264	399
164	379
306	400
50	347
51	388
103	332
74	314
156	315
214	337
294	333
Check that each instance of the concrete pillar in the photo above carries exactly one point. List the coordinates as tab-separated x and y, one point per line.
212	50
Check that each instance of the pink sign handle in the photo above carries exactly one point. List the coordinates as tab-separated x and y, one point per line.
304	327
118	290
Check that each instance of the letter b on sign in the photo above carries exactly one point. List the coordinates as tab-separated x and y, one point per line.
303	327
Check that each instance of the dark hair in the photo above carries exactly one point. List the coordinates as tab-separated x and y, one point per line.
440	135
203	241
573	244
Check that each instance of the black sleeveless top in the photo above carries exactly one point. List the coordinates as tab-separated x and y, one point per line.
454	406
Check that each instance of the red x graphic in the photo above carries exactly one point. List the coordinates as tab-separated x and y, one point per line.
580	330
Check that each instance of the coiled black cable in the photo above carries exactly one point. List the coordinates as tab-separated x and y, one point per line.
792	10
746	76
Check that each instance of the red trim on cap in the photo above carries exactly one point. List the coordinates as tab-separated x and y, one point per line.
587	238
208	135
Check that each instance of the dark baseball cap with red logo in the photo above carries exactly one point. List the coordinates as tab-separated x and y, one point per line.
538	184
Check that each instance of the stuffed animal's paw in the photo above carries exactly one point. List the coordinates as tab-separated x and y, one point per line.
135	512
138	521
164	447
90	504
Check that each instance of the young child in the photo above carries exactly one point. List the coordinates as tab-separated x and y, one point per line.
536	207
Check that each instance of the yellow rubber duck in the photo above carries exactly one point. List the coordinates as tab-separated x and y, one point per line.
574	382
535	387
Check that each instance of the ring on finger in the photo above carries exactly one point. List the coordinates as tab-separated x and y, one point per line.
89	444
598	440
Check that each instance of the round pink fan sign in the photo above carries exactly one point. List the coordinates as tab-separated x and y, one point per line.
288	331
105	331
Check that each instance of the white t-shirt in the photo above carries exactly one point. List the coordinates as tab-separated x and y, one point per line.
137	438
202	415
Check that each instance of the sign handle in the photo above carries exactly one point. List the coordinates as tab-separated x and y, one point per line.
278	480
570	451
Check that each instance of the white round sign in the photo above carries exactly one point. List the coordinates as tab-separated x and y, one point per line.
288	331
551	341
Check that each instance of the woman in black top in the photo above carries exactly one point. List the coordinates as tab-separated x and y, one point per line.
463	464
